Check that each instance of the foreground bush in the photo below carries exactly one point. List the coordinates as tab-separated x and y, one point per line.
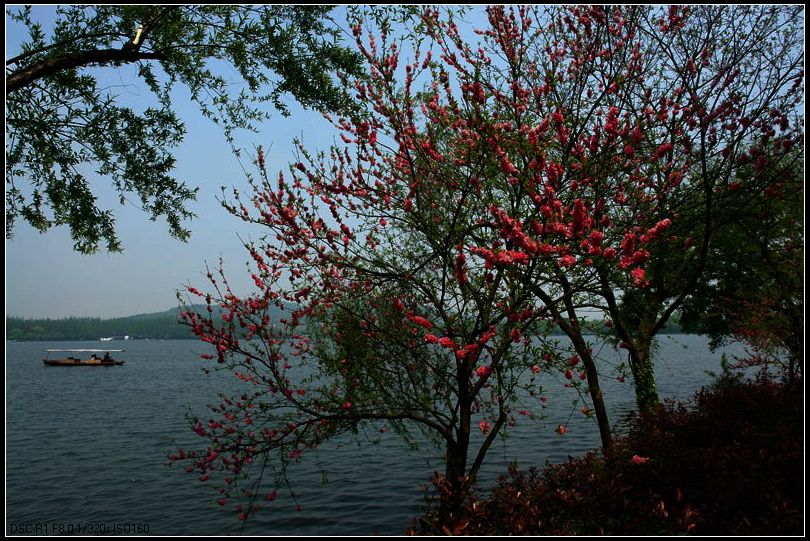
731	464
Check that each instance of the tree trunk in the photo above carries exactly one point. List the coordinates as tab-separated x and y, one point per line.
573	330
453	493
795	343
641	365
598	405
456	460
596	393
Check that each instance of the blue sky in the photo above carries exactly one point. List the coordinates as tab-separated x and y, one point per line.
45	278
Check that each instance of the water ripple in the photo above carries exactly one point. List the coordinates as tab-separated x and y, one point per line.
90	445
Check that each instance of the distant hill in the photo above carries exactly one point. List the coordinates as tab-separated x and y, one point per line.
155	326
159	325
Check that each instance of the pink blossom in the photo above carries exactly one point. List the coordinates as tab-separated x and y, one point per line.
663	149
461	273
421	321
638	276
508	257
585	410
484	426
640	256
535	369
567	261
562	429
483	371
467	350
629	244
640	459
446	342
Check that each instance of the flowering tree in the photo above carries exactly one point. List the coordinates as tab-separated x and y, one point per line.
632	124
487	192
718	90
407	306
753	288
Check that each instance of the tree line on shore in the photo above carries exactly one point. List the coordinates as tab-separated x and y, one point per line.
159	326
155	326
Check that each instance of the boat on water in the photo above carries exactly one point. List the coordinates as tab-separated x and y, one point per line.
72	360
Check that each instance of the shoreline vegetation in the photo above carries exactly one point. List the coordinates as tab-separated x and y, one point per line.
151	326
728	462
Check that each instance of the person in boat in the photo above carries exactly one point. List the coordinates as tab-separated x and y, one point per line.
107	357
94	357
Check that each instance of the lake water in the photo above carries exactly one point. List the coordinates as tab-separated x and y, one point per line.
88	446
